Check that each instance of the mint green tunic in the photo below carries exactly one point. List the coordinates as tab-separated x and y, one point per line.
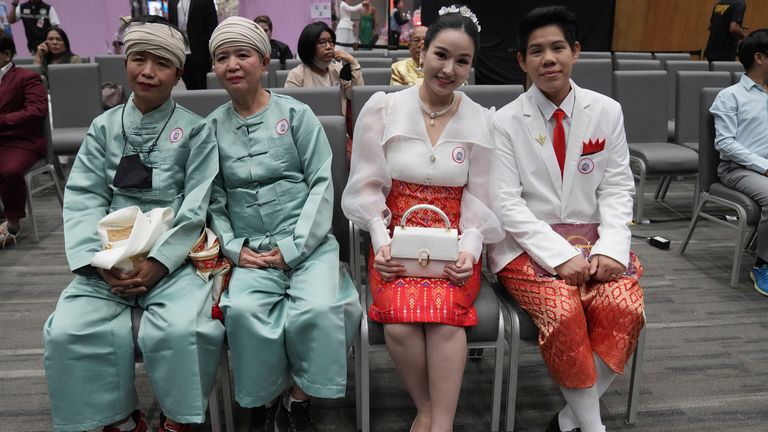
274	190
88	341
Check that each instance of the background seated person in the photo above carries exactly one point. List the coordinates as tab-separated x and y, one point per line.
278	50
23	109
409	71
55	49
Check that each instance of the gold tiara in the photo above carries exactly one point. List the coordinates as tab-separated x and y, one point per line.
464	11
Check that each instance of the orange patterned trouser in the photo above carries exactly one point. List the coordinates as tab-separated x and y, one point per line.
604	318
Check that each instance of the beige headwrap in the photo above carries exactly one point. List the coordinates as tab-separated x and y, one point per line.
239	31
159	39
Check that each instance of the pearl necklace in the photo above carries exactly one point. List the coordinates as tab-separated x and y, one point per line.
435	114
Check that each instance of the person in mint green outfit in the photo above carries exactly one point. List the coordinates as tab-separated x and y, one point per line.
148	153
291	311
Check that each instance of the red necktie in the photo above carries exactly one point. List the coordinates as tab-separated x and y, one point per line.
558	139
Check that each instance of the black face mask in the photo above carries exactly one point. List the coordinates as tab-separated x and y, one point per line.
132	173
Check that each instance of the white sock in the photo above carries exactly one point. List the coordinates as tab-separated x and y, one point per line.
127	425
585	405
605	376
288	400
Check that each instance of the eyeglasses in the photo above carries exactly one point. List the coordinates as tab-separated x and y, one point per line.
324	42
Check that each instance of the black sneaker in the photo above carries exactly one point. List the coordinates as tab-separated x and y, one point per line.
295	420
263	417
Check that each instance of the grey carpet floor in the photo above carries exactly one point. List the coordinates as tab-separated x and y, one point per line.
707	343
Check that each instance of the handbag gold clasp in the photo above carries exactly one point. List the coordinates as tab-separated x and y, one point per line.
423	257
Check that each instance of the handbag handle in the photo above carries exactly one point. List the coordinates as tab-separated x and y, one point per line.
426	207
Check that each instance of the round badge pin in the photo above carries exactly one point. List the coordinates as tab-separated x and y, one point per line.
281	127
586	165
176	135
459	154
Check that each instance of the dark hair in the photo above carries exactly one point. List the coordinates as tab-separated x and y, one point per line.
453	21
308	40
67	54
7	44
264	19
755	42
559	16
154	19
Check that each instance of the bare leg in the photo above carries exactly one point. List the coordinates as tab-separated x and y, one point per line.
298	394
446	358
407	346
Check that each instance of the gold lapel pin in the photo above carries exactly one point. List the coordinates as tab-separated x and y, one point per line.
540	139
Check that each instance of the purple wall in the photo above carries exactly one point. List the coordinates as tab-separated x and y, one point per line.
92	24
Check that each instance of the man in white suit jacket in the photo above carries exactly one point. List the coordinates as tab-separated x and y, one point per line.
564	199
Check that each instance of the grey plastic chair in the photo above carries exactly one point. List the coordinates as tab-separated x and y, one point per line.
687	116
594	55
377	76
636	65
280	77
594	74
361	94
292	63
493	95
667	56
75	91
522	328
201	102
643	97
367	62
736	76
627	55
672	67
112	69
324	101
727	66
20	60
376	53
31	66
712	191
44	167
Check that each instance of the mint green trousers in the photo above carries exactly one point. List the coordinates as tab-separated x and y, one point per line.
89	351
291	327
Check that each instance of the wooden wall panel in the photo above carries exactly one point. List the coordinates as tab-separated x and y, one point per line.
672	25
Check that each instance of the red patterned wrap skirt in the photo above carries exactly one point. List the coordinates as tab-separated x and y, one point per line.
406	300
604	318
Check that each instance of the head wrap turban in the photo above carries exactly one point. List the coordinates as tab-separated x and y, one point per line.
159	39
239	31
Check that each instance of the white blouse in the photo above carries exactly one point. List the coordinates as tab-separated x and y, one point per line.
391	142
345	14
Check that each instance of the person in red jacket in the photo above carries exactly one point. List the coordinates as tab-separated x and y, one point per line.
23	109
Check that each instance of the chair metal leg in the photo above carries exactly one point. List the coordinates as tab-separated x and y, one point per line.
740	244
213	407
514	353
498	375
365	376
661	189
57	184
226	391
30	211
703	198
640	195
356	352
634	381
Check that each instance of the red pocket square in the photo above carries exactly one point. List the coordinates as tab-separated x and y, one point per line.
592	146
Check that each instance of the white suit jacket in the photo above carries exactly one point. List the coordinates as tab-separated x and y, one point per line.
596	185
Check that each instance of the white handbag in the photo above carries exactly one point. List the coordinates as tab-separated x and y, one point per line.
425	251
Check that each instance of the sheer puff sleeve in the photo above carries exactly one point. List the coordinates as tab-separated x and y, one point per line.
364	198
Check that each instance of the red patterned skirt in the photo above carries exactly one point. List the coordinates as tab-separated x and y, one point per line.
423	300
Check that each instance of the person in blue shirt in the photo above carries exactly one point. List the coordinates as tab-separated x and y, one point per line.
741	126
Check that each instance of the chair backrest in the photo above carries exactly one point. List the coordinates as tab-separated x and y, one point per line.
625	55
361	94
594	74
667	56
324	101
736	76
471	79
20	60
272	68
112	68
367	62
493	95
335	130
369	54
280	77
633	64
201	102
672	66
213	83
594	55
31	66
728	66
689	85
75	94
709	158
377	76
292	63
643	98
